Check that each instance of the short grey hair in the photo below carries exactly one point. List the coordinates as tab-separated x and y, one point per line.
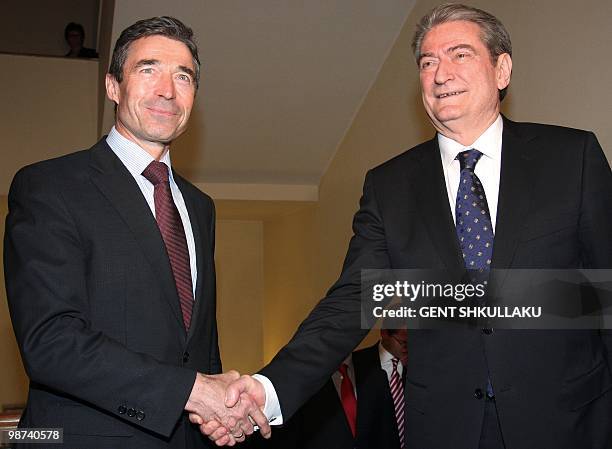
493	33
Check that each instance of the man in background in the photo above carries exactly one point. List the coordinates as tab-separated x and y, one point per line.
109	267
74	33
361	406
380	385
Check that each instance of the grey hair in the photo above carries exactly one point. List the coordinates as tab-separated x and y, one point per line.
492	32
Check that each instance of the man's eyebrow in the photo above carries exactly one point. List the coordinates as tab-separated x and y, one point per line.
144	62
187	70
461	47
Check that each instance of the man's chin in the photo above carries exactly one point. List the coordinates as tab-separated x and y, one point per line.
163	136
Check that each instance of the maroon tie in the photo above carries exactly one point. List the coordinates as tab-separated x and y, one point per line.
173	233
347	396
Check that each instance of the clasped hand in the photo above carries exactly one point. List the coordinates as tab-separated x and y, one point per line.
226	406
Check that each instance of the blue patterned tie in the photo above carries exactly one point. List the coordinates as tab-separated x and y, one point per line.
473	223
474	228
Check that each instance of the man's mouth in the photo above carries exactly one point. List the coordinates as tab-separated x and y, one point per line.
161	111
449	94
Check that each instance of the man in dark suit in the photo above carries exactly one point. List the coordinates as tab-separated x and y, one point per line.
543	198
110	271
322	422
380	400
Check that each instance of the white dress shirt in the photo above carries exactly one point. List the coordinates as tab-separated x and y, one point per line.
386	362
488	170
136	160
488	167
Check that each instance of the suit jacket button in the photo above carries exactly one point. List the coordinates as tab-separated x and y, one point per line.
140	415
122	409
185	357
131	412
487	331
478	393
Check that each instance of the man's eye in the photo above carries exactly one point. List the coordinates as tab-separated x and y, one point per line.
146	70
426	64
184	77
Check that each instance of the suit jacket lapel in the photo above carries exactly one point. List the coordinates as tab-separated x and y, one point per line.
201	244
433	202
515	193
118	186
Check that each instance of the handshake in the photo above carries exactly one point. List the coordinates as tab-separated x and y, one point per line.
227	406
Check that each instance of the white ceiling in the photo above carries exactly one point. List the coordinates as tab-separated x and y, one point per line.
282	81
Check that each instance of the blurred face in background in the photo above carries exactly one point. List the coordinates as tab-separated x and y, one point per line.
395	342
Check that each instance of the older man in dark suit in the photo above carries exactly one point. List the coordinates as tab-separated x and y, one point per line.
542	197
110	271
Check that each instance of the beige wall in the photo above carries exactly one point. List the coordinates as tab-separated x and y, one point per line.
105	48
239	262
562	69
289	274
50	108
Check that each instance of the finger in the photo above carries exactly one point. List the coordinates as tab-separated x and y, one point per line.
232	424
196	419
210	427
233	392
218	433
227	440
262	421
233	374
244	407
255	415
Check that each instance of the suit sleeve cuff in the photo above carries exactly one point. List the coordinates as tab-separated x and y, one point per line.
272	408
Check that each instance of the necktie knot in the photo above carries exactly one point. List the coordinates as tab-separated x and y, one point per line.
343	370
156	172
395	362
468	159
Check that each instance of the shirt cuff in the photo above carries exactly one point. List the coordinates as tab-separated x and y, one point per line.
272	408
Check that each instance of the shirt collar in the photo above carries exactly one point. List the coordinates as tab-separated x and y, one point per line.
385	356
134	157
489	143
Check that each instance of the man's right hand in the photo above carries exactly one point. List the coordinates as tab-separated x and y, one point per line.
244	389
230	416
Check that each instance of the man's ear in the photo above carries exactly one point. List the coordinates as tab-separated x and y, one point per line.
503	69
112	88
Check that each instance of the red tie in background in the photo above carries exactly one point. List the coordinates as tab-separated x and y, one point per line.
173	233
347	395
397	392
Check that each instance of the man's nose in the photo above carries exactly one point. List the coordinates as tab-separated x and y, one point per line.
444	71
165	86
